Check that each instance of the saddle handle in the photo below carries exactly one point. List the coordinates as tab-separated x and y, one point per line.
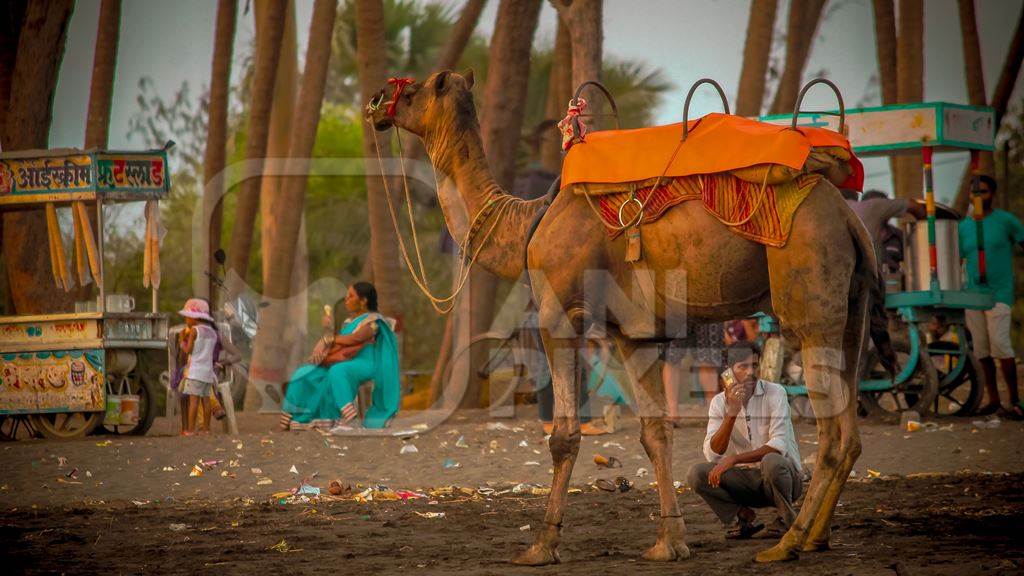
607	95
689	96
839	97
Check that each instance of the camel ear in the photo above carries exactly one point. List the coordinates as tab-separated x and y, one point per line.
441	82
468	75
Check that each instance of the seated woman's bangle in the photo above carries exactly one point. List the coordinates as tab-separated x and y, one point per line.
327	340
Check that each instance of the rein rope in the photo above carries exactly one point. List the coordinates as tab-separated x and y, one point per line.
497	205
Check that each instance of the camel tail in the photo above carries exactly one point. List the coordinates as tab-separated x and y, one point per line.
867	276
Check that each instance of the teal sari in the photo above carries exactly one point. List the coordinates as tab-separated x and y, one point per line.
316	394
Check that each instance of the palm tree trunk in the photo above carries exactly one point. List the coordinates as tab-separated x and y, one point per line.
273	189
559	92
101	90
371	50
910	87
269	35
271	351
281	113
461	32
973	71
508	71
584	20
885	48
1000	101
756	50
104	62
972	53
216	138
27	125
804	16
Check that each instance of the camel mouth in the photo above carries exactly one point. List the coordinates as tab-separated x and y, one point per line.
383	123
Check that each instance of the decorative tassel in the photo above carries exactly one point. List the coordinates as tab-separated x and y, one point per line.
52	245
154	238
60	271
90	243
81	266
633	247
147	257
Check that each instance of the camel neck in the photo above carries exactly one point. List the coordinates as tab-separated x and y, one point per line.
470	185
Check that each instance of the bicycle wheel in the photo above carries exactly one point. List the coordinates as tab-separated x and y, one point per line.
917	393
960	396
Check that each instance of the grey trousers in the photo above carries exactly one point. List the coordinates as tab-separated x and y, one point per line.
777	483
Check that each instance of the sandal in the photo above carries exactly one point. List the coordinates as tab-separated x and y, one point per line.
743	531
989	409
1015	412
775	530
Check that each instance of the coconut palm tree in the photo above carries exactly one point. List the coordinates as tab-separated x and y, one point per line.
97	122
756	51
371	44
885	48
804	16
909	87
269	35
584	20
217	130
281	115
502	115
1000	97
271	350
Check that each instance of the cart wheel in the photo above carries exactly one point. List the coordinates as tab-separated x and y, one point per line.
147	392
917	393
66	425
961	396
16	427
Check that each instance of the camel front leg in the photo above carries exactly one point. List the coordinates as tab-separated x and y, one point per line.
564	445
644	371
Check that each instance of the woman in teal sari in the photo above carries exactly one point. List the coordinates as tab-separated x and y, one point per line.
323	392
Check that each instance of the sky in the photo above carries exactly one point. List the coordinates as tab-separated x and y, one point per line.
172	43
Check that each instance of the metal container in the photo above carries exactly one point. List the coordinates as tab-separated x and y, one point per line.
947	247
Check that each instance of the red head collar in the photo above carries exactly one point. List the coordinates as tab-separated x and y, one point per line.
399	84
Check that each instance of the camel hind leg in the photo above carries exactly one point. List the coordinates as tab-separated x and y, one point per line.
564	444
856	339
810	283
644	370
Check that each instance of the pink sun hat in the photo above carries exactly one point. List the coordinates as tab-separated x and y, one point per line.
196	308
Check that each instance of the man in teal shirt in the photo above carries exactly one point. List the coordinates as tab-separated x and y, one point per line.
990	329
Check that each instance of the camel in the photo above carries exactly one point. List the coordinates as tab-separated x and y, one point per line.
818	285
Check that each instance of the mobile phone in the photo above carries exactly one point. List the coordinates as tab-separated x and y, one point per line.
728	378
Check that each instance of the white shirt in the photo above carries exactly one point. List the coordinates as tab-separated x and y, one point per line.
764	421
200	362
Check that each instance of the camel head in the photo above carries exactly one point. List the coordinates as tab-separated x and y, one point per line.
443	101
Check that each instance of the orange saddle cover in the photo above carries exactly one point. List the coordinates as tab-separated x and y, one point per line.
715	144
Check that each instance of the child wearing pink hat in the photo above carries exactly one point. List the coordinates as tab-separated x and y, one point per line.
199	344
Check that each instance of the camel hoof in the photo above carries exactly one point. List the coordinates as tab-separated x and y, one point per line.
537	555
664	551
820	546
777	553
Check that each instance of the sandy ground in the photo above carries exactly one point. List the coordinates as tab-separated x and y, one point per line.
948	501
